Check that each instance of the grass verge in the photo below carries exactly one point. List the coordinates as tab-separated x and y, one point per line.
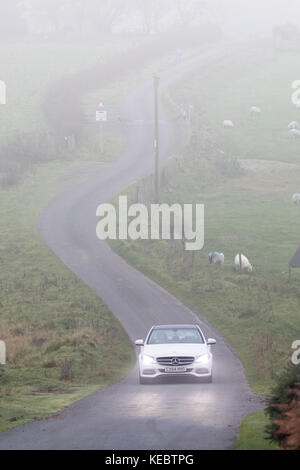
62	341
253	435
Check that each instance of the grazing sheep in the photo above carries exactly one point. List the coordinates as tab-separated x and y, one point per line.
287	34
227	124
246	265
296	198
293	125
294	134
216	258
255	111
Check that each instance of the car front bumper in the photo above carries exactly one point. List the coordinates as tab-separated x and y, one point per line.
157	370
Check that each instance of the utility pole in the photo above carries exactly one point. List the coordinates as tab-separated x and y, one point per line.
101	117
156	138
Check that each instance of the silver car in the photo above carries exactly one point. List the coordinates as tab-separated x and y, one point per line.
175	350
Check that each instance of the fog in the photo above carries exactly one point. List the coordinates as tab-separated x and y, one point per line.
242	18
67	18
149	148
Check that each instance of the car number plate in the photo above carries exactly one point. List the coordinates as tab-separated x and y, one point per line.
175	369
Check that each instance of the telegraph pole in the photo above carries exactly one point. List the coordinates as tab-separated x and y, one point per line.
101	117
156	138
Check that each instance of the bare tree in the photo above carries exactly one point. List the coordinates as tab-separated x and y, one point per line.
101	15
54	16
152	11
189	11
43	16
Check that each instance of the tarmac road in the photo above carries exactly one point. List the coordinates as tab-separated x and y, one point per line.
164	416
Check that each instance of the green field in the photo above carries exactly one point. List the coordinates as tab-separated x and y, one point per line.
247	208
260	76
47	315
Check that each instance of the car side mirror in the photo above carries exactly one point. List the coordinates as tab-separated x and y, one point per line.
139	342
211	342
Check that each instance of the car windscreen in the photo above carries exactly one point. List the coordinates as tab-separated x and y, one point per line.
175	336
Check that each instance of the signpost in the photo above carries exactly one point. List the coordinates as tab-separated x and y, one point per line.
101	117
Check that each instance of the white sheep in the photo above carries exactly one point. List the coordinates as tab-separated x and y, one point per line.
293	125
294	134
296	198
227	124
245	263
255	111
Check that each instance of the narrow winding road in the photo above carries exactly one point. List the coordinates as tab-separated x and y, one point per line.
129	416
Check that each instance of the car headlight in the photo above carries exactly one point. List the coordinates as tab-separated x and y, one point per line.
148	359
204	359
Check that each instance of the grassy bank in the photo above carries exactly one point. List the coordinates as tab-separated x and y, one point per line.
253	434
60	337
246	180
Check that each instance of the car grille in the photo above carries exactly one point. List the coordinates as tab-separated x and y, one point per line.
175	361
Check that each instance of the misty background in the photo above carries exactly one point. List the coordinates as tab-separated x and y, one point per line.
58	60
45	19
